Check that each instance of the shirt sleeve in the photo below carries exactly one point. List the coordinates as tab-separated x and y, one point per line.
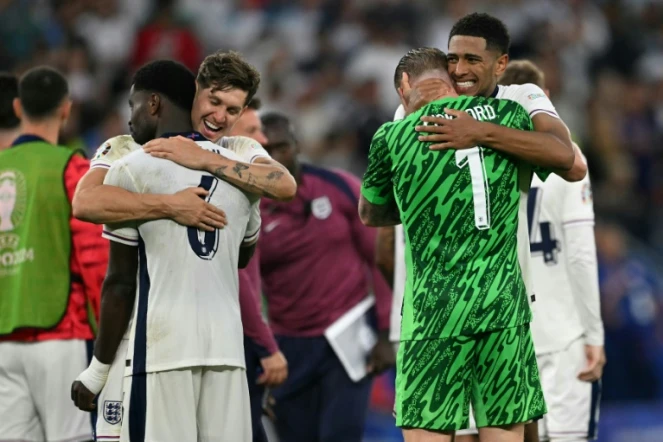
247	148
365	240
89	249
583	277
253	226
112	150
578	222
578	203
532	98
255	326
125	233
377	185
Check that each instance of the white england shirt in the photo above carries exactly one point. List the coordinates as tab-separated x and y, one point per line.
187	305
564	271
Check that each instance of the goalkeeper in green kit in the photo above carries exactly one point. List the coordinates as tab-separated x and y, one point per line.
465	334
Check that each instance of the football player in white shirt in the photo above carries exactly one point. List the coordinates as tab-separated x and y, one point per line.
185	377
567	328
120	205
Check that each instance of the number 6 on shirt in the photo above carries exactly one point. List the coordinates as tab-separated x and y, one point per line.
473	158
204	244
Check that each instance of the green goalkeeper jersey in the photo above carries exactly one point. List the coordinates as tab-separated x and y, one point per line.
464	218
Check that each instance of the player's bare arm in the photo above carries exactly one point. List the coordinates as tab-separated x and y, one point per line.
374	215
117	300
549	146
101	204
384	253
264	177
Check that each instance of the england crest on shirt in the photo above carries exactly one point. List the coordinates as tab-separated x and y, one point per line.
113	412
321	207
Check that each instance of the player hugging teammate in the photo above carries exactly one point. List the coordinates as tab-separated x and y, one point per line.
478	47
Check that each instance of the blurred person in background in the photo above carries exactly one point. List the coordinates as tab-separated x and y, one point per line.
9	122
317	263
266	367
45	322
164	37
566	328
224	86
632	303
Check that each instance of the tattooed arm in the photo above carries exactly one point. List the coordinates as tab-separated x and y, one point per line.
378	215
269	180
264	177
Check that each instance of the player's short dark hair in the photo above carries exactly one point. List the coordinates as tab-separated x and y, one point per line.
228	70
254	104
522	72
276	119
169	78
418	61
41	91
485	26
8	91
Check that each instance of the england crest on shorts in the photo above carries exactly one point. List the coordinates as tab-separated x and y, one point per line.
113	412
321	207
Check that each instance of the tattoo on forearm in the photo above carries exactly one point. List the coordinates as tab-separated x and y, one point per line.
220	171
249	181
239	168
275	175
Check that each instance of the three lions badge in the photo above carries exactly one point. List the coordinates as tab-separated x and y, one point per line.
321	207
113	412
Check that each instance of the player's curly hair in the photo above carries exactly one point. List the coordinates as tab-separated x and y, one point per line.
42	90
523	72
8	91
169	78
485	26
228	70
418	61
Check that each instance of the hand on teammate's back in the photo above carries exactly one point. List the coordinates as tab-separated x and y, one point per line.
275	370
424	92
457	133
596	360
382	356
180	150
188	208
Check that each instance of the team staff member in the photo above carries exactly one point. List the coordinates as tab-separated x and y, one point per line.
265	364
51	270
317	261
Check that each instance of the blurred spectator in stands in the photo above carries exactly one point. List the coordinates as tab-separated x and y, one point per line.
165	37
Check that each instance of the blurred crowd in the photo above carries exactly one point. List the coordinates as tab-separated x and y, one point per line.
330	63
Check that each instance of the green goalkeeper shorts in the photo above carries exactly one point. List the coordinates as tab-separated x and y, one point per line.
496	371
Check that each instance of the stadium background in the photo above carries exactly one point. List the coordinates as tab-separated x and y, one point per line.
329	64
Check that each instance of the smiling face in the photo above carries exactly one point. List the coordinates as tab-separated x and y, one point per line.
216	111
474	68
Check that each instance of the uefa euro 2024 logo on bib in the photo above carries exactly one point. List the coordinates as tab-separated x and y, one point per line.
13	201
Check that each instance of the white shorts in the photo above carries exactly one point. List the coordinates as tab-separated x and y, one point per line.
109	402
207	404
35	391
573	405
